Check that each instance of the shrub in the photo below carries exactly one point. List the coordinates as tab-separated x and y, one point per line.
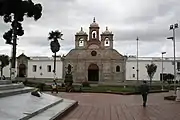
170	98
85	84
62	85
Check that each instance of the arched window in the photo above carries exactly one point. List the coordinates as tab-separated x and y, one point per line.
81	42
117	68
94	34
106	42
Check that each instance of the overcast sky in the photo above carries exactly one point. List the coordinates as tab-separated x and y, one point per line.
127	19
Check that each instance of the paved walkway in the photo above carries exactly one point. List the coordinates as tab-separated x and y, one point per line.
94	106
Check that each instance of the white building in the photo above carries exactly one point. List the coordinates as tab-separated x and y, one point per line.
168	67
42	67
36	67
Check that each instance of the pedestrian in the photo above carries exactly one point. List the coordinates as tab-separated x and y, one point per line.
144	92
54	86
3	77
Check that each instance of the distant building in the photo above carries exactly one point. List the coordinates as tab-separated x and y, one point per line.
36	67
168	67
42	68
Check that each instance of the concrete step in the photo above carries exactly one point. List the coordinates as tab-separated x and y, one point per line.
26	106
2	82
11	92
57	112
11	86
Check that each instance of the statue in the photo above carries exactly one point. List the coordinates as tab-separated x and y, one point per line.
68	79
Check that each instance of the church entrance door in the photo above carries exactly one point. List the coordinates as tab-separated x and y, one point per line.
22	70
93	73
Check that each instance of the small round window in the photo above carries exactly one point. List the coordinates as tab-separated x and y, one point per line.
93	53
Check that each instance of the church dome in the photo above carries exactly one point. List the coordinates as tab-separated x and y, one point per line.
81	32
107	31
94	24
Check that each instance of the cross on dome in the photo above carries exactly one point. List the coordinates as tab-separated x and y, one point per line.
94	24
81	32
106	27
94	20
107	31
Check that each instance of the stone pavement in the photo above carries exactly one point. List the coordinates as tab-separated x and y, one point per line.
93	106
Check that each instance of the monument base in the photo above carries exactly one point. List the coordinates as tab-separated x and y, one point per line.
17	103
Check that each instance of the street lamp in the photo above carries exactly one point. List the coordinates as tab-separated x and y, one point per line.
173	27
137	61
162	80
0	69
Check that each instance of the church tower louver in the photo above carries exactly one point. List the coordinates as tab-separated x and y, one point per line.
93	59
107	39
81	39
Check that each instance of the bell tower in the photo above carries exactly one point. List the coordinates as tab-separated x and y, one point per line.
94	35
94	31
107	39
81	39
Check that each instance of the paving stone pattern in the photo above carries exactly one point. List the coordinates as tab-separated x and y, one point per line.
94	106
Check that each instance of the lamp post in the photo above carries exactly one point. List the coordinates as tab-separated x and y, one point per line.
137	62
0	71
173	27
162	79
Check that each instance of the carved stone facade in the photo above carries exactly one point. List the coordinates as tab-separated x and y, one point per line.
94	59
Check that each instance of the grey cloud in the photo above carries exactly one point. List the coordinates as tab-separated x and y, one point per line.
33	41
149	20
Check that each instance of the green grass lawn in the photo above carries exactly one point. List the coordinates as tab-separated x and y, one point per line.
102	89
116	89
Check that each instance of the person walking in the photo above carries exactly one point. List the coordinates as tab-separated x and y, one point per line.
144	92
54	86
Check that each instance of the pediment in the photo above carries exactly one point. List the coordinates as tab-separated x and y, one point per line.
93	46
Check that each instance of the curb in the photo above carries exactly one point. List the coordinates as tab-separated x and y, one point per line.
122	93
66	111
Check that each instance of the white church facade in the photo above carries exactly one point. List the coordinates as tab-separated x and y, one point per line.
42	67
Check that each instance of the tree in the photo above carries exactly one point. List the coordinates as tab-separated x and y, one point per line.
169	78
4	62
13	11
151	70
55	46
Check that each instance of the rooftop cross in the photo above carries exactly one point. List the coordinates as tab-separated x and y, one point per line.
94	20
106	28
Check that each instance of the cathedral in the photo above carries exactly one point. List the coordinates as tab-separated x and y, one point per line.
93	59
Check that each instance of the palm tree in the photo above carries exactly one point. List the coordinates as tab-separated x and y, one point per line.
4	62
55	46
151	70
13	11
